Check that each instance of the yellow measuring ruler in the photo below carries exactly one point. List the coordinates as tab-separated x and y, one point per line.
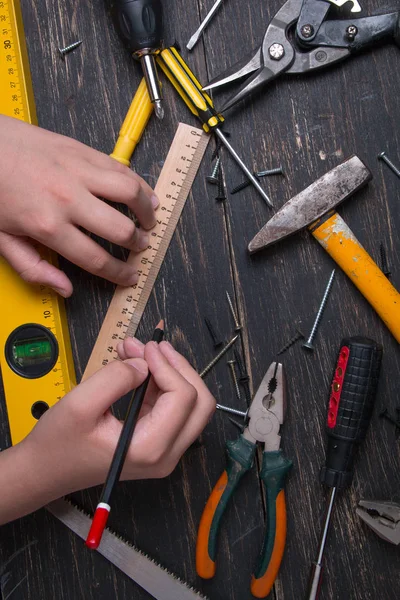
36	359
172	189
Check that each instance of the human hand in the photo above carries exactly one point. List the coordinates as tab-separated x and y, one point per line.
72	445
49	189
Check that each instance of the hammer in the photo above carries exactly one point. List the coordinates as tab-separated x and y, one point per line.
313	208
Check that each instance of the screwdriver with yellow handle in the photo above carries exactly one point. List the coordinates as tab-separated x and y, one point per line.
266	414
134	125
200	104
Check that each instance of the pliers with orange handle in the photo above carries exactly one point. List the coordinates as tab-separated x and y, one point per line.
265	416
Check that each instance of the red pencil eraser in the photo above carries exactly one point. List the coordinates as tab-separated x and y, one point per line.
98	524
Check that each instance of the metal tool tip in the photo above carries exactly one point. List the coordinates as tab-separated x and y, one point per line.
191	43
159	109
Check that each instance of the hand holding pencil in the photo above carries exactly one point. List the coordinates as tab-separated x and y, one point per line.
186	420
73	443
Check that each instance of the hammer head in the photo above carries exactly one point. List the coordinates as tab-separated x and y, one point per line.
312	203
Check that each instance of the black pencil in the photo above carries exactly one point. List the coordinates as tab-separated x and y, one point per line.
103	508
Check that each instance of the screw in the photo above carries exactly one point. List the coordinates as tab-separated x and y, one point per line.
309	343
238	326
231	364
232	411
221	187
298	336
243	376
351	32
244	184
218	146
384	263
213	178
241	186
389	163
64	51
276	171
216	341
307	31
214	361
276	51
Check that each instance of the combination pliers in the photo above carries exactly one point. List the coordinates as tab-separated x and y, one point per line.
265	416
298	40
382	517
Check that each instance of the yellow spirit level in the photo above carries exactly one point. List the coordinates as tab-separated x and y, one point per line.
35	351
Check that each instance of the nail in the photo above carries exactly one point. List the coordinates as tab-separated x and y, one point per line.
155	201
139	364
143	240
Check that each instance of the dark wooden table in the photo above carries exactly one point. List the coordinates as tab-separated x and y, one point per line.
307	124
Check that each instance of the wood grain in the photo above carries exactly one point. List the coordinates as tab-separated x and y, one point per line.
308	124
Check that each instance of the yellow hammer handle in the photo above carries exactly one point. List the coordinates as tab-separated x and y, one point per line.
133	126
338	240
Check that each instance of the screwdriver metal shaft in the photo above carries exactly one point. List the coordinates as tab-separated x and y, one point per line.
241	164
196	36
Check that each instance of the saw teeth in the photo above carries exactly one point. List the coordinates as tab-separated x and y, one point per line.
127	543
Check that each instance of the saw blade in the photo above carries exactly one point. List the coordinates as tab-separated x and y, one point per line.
152	577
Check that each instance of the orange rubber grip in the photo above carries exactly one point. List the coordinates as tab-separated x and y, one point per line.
338	240
205	565
261	587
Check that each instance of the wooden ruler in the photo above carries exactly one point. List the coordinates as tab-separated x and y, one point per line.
172	189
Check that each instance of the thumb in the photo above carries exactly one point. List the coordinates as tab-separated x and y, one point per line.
96	394
28	263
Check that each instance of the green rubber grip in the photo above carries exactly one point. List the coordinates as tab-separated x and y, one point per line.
240	458
274	470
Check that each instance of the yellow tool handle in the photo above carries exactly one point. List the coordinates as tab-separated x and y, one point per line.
189	88
338	240
133	126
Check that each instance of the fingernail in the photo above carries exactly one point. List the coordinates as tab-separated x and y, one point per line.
139	364
155	201
136	342
143	241
60	291
133	279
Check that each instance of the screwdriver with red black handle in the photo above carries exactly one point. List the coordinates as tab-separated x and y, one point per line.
140	23
351	400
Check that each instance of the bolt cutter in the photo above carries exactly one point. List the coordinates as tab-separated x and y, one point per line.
314	44
265	416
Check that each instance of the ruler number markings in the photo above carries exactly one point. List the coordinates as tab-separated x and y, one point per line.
128	304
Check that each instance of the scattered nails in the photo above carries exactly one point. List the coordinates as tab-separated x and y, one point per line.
389	163
215	339
299	335
64	51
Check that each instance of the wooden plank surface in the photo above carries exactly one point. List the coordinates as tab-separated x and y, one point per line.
307	124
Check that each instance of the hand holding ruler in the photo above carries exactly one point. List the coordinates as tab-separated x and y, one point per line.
172	189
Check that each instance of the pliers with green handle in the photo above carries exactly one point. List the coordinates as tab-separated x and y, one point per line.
266	415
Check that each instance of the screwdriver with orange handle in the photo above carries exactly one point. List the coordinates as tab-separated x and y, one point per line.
266	414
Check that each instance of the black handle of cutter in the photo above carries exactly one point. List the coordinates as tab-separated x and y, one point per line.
140	23
351	400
